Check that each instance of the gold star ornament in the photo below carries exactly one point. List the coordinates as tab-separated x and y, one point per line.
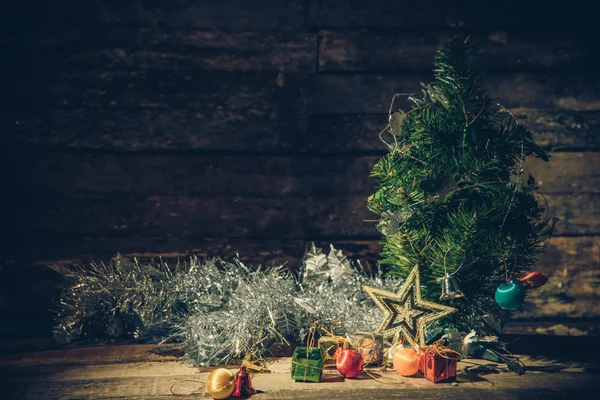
406	312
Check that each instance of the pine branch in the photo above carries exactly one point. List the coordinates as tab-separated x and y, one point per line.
447	196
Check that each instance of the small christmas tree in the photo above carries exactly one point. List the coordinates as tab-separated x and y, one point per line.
452	195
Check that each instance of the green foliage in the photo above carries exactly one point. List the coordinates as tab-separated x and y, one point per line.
451	192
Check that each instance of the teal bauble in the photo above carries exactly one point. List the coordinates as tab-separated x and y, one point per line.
510	295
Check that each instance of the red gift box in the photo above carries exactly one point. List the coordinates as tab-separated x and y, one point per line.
438	366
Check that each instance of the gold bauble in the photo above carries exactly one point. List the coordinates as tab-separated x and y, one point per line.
220	383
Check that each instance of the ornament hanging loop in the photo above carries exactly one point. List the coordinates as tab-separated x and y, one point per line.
450	288
393	123
391	147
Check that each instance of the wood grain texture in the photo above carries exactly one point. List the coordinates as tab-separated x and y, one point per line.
176	129
105	373
155	380
561	128
433	13
126	47
192	174
199	109
211	92
401	50
573	268
578	328
261	111
62	252
267	217
157	387
341	217
372	93
88	357
248	176
346	217
571	172
162	216
359	132
142	130
225	14
579	213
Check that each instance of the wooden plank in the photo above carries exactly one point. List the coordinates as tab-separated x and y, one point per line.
331	133
63	252
117	46
239	217
346	217
258	115
127	353
155	380
433	13
576	391
570	172
573	267
560	128
22	345
191	174
138	360
566	328
212	93
198	109
139	129
151	174
579	213
372	93
226	14
340	217
162	216
356	132
140	388
351	93
364	50
296	175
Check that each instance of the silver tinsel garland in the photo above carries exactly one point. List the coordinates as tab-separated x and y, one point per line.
219	310
260	311
124	299
332	292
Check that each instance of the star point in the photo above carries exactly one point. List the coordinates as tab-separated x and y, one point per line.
405	311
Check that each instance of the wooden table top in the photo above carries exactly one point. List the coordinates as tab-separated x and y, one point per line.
133	372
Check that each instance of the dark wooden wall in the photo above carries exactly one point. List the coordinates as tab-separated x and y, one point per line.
212	127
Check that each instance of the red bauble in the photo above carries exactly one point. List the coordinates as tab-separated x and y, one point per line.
350	363
533	280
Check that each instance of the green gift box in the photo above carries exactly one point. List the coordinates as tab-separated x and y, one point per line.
307	364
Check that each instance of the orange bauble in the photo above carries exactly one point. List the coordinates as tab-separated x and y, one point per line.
406	361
